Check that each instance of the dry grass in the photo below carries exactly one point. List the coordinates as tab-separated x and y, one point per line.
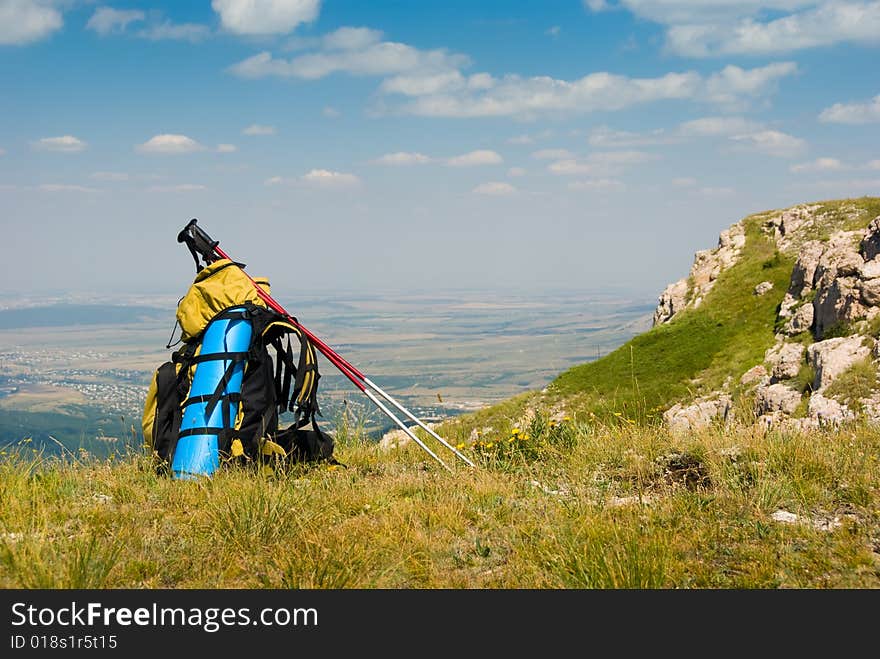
572	506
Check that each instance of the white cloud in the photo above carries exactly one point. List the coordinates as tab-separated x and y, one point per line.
107	20
331	112
684	182
521	139
275	180
529	98
772	143
573	167
715	126
182	187
702	28
494	189
167	30
402	158
475	158
2	152
351	38
831	22
734	85
874	164
716	191
226	148
64	187
109	176
26	21
516	171
169	143
819	165
265	16
552	154
597	184
553	31
258	129
855	113
356	51
65	143
607	138
600	163
328	179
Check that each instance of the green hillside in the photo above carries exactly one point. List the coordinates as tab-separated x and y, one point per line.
694	353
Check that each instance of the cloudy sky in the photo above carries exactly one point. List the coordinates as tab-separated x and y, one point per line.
438	144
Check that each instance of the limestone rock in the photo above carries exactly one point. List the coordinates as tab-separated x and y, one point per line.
870	291
832	357
870	245
776	398
700	414
708	264
785	360
828	411
804	271
763	287
672	300
755	374
801	320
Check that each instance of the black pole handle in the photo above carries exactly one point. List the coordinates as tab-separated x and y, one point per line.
199	243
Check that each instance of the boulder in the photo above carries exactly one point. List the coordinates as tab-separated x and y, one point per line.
827	411
832	357
801	320
802	275
755	374
870	245
776	398
699	414
672	300
836	303
869	291
763	287
785	360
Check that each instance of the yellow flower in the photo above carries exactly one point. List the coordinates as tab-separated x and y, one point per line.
515	431
490	445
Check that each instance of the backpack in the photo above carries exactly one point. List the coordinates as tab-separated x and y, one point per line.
219	399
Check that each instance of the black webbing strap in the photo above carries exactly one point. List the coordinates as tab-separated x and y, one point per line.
224	382
205	430
233	397
305	402
217	356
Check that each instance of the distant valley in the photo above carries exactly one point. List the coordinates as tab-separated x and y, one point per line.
84	368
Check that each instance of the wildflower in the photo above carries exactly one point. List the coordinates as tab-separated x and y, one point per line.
490	445
515	431
459	446
568	418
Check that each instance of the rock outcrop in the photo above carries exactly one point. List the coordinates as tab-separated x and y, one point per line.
823	323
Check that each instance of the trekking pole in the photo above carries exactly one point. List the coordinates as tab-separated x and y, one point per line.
199	243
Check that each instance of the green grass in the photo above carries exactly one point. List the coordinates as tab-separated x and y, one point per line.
574	505
858	382
695	352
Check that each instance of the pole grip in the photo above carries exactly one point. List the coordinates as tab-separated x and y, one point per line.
199	243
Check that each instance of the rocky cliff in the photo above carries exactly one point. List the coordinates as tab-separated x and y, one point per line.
822	368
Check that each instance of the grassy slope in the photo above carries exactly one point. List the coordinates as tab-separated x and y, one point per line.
581	507
727	334
696	352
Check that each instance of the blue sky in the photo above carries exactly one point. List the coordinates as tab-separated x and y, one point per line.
427	145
